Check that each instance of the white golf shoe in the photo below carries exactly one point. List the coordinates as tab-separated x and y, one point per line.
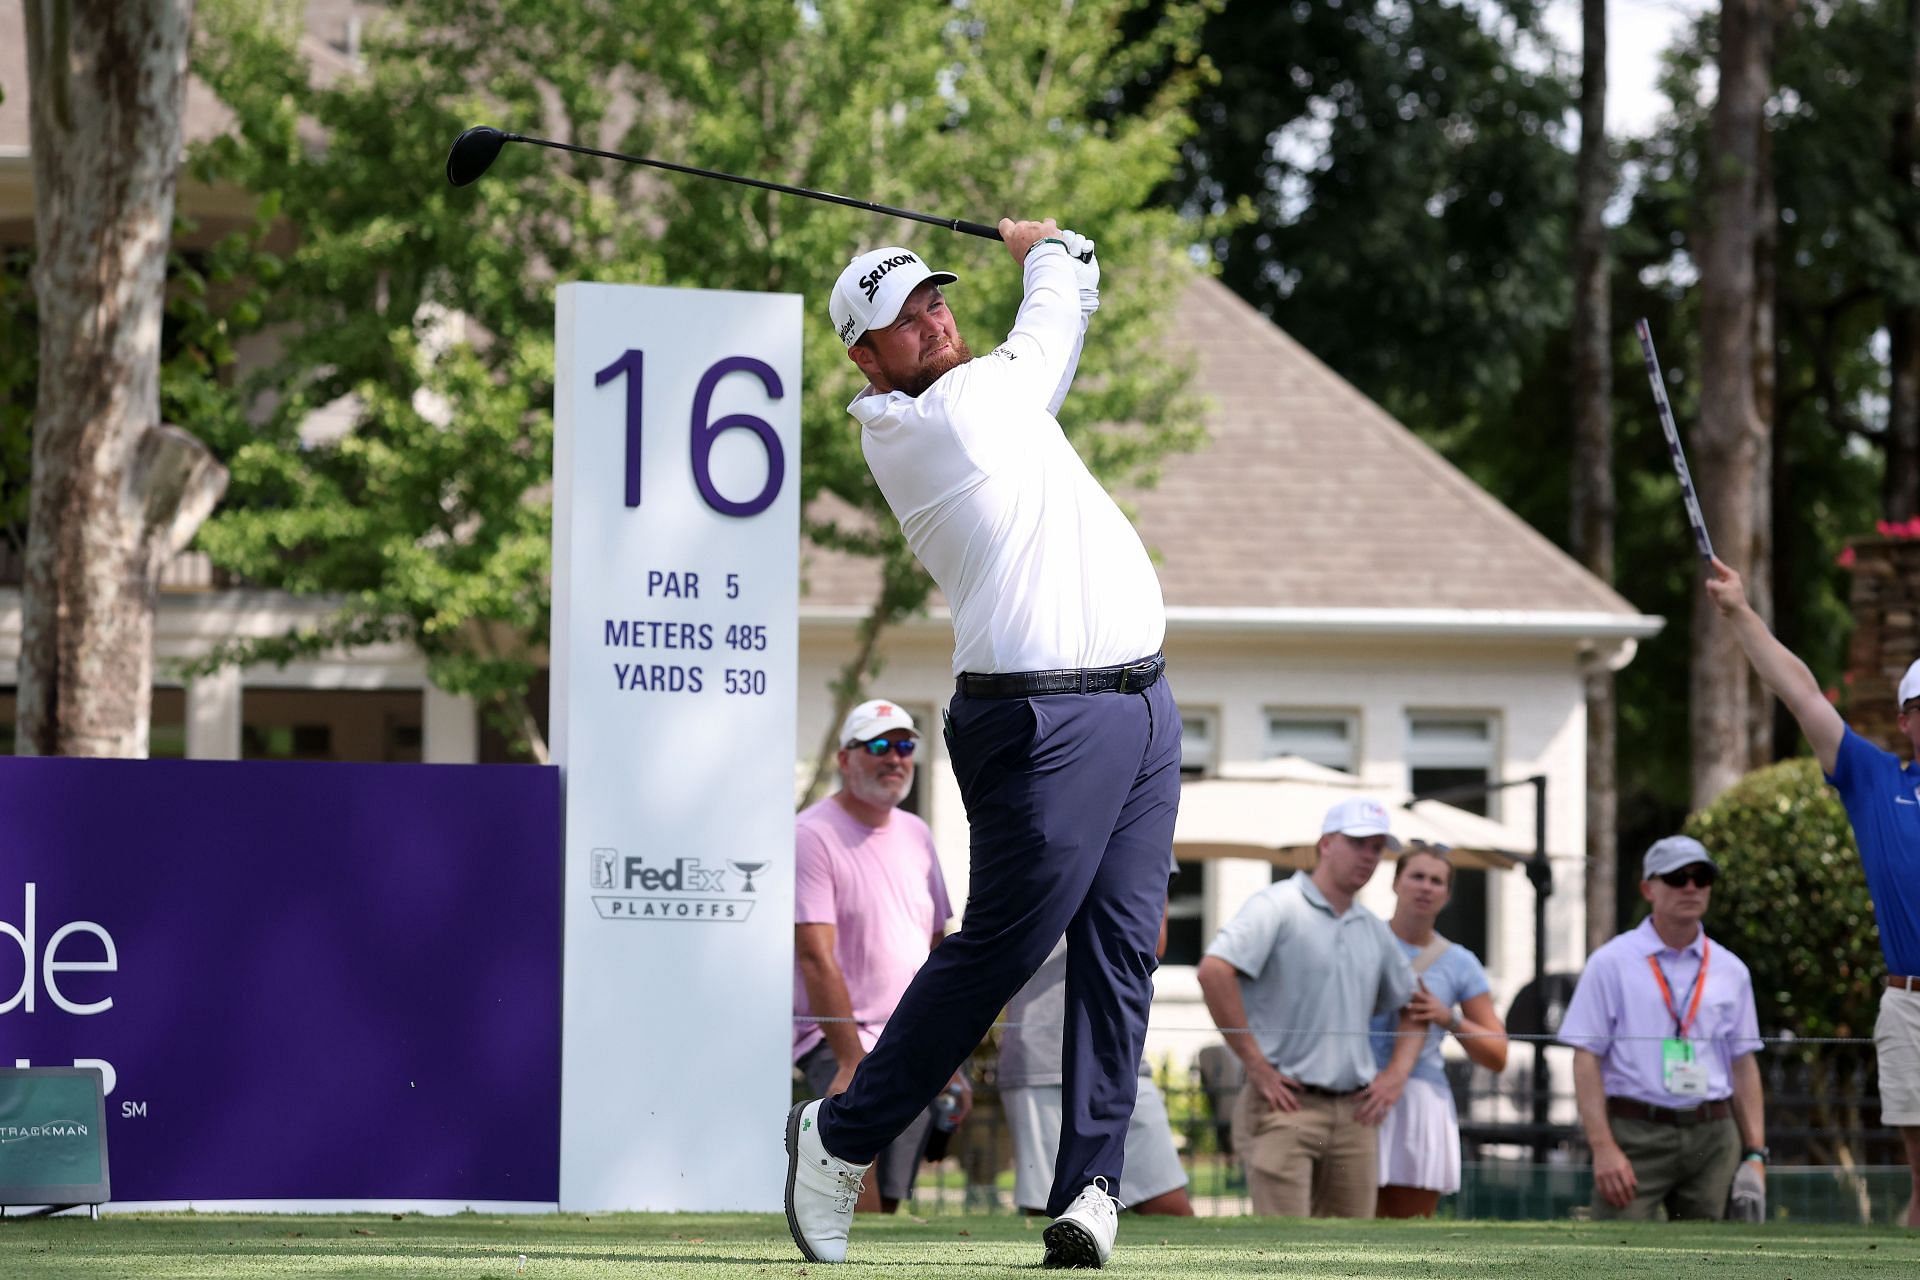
821	1189
1083	1235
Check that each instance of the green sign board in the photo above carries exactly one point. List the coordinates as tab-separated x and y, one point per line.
53	1136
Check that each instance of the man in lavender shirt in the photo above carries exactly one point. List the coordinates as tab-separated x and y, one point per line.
1664	1032
869	905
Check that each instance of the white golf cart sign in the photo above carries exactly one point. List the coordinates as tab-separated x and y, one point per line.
675	648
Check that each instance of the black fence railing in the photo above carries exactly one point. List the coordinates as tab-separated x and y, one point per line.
1833	1161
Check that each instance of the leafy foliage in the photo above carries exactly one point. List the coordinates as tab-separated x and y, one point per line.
418	317
1792	901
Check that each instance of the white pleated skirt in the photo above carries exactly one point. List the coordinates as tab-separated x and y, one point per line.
1420	1140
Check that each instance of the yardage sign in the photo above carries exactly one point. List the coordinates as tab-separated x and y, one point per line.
675	648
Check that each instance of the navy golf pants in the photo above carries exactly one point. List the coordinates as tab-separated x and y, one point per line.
1071	798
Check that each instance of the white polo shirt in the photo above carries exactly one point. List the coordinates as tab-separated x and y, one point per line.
1042	570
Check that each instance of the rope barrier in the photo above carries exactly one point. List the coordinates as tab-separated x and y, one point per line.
1781	1038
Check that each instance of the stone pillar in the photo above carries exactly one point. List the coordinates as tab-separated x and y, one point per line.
449	729
213	716
1886	635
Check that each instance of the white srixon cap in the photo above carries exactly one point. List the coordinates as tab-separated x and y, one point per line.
1910	684
1359	817
869	293
871	719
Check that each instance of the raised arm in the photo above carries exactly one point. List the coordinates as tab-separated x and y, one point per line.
1778	668
1040	354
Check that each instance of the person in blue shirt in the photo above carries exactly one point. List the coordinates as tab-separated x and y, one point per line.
1882	799
1420	1138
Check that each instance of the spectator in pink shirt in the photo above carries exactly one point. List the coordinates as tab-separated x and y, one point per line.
869	905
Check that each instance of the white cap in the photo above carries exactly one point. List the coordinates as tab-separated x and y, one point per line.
1910	684
1359	817
870	292
1673	853
871	719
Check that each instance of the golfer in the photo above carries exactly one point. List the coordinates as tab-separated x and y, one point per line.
1882	799
1062	731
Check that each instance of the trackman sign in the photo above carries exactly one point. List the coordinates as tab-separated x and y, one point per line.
683	889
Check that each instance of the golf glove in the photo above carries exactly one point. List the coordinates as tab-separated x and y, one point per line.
1086	270
1748	1200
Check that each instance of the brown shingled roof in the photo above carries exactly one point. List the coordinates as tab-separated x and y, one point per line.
1308	496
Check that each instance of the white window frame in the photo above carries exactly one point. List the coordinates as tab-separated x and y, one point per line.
1459	754
1205	760
1273	746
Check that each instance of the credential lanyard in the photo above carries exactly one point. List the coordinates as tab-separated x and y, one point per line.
1692	999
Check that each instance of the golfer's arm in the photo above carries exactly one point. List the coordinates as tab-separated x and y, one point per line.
827	989
1784	673
1220	985
1590	1095
1044	348
1749	1104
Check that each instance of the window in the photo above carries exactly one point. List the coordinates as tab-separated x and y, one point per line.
1197	740
1329	738
1186	913
369	726
1457	751
7	704
928	721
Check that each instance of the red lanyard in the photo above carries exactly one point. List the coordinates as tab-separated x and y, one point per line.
1699	989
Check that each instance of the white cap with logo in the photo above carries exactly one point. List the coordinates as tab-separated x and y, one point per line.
1910	684
874	286
871	719
1359	818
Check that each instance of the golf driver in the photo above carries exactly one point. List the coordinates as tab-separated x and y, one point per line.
1698	521
474	150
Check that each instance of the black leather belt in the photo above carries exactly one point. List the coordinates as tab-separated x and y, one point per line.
1321	1091
1680	1117
1128	677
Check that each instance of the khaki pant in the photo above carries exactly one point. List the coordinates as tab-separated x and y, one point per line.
1316	1161
1688	1170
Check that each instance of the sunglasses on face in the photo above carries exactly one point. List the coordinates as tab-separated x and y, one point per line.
880	746
1700	874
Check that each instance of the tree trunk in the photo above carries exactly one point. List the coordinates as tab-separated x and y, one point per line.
1900	495
1593	497
1760	560
114	492
1730	434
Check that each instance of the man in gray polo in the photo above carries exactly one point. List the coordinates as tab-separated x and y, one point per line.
1305	967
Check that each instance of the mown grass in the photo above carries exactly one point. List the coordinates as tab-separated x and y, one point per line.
754	1247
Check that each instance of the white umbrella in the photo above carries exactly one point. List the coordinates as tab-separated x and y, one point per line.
1272	811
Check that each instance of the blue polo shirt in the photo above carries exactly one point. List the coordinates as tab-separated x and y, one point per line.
1882	799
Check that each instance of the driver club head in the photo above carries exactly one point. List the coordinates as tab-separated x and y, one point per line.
473	151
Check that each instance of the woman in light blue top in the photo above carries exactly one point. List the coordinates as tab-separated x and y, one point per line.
1420	1138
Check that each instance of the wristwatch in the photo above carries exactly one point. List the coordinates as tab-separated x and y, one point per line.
1755	1153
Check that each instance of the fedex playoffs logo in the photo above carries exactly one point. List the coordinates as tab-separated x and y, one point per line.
633	887
66	951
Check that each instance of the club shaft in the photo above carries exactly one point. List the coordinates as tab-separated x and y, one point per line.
1694	516
960	225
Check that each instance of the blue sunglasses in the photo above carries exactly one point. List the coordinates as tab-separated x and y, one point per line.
880	746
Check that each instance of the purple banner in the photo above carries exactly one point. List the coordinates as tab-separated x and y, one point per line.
306	981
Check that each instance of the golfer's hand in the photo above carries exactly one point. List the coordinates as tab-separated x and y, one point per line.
1086	270
1378	1097
1275	1089
1728	592
1022	236
842	1078
1613	1176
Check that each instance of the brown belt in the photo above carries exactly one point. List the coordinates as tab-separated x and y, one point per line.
1680	1117
1901	983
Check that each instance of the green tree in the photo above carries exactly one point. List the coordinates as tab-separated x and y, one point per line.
422	314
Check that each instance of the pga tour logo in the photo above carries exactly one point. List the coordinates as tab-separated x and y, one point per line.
632	887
